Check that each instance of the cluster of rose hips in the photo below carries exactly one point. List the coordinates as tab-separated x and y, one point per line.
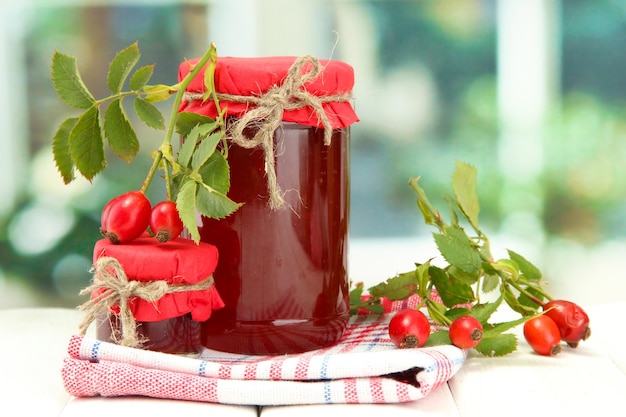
130	215
561	321
410	328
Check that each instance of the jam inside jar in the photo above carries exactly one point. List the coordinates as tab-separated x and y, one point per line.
282	273
177	335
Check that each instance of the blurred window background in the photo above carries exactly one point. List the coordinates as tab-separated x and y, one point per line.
530	92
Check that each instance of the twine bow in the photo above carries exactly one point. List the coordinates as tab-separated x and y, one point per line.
268	114
110	277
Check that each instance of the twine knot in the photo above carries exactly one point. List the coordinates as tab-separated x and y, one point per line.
117	290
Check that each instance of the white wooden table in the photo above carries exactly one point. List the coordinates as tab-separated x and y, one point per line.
587	381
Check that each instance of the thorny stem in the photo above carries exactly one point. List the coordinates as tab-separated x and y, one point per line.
167	140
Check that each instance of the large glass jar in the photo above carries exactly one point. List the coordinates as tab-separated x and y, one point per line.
282	272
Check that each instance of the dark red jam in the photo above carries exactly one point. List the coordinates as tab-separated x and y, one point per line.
283	273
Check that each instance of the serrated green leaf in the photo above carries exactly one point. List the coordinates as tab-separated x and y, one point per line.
464	186
452	290
186	121
216	173
149	114
490	282
494	330
458	249
121	65
438	338
500	345
68	83
398	287
205	150
86	145
122	138
214	204
141	77
525	266
456	312
482	312
61	151
186	206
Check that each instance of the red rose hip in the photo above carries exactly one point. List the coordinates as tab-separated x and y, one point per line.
165	221
571	319
125	217
466	332
409	328
542	334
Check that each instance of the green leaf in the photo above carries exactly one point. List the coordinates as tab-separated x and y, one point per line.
423	276
430	214
186	121
122	138
141	77
119	68
159	92
209	74
437	312
458	249
61	151
525	266
186	206
214	204
216	174
464	186
494	330
490	282
499	345
482	312
514	303
205	150
149	114
438	338
398	287
86	145
67	82
452	290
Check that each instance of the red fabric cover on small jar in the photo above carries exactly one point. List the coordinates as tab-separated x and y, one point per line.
179	261
254	76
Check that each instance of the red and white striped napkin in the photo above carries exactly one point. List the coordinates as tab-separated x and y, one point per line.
364	367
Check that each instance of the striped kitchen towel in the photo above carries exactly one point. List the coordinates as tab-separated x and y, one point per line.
364	367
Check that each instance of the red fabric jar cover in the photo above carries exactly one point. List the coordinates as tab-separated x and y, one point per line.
254	76
178	261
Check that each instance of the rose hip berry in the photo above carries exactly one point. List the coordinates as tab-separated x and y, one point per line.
542	334
571	319
125	217
409	328
165	221
466	332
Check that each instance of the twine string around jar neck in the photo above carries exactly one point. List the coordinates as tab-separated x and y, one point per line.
267	115
117	290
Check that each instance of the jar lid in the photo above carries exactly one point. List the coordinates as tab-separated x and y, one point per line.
252	77
179	261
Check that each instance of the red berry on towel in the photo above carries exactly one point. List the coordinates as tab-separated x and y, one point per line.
165	221
543	335
571	319
125	217
409	328
466	332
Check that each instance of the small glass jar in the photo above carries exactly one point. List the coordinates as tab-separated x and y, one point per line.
166	318
282	271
